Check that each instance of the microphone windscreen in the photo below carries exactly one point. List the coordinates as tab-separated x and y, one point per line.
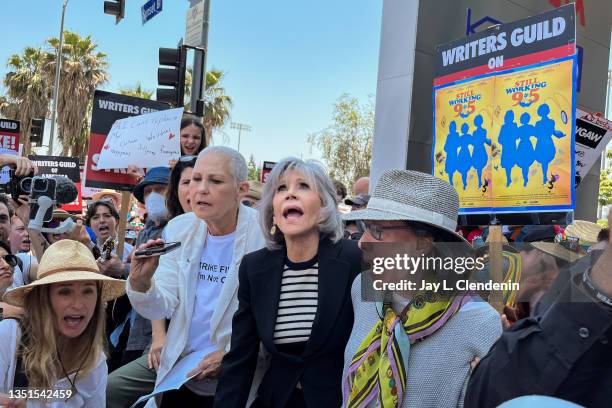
65	190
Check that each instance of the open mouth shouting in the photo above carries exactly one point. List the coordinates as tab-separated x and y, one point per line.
104	230
74	323
292	212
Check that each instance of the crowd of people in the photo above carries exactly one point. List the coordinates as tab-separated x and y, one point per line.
267	289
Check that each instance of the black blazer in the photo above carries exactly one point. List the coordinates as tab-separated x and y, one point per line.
319	369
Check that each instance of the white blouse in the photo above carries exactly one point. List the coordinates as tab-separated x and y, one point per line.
90	390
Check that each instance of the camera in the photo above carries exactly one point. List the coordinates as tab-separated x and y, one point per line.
18	185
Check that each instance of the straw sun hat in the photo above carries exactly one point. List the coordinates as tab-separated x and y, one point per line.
585	231
407	195
67	261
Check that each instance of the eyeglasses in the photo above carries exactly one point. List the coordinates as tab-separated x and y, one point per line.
354	236
377	230
11	260
188	158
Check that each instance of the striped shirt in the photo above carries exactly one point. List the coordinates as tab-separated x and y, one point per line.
298	302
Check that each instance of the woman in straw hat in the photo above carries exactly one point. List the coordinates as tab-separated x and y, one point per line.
415	348
58	345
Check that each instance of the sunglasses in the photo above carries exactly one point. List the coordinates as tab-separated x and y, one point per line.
11	260
354	236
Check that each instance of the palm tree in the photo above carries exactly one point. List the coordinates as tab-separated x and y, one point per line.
9	108
28	90
216	103
83	70
138	91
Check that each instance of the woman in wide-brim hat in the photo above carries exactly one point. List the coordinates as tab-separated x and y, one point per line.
59	343
413	349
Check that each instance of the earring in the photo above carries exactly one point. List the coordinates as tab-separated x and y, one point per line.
273	229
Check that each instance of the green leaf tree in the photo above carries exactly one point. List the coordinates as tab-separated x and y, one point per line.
217	104
28	90
254	171
346	144
605	183
137	90
83	70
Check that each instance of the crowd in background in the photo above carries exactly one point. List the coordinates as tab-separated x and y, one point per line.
267	289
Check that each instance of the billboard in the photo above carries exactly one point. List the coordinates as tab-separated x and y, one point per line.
504	102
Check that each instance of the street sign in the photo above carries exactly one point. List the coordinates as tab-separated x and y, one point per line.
194	33
150	9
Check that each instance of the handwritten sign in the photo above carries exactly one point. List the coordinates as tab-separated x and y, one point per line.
150	140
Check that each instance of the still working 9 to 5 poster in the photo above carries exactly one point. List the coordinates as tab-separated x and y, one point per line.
504	135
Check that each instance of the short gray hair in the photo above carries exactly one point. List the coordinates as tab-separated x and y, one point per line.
238	164
330	223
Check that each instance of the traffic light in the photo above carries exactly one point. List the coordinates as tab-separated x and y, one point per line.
115	8
36	131
173	77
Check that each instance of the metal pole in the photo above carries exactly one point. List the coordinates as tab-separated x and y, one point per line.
239	132
58	67
198	80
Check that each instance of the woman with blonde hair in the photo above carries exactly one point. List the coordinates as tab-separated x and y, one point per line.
54	356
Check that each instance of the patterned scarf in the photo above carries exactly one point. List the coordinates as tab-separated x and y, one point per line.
377	373
512	275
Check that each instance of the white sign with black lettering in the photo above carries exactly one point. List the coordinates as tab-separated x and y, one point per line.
145	141
592	136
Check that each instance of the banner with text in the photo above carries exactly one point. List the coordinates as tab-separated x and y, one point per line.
9	144
107	109
504	137
593	133
49	166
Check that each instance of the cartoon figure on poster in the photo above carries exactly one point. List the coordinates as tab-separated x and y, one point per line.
462	153
535	162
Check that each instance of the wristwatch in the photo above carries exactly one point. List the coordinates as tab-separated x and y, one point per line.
594	290
1	314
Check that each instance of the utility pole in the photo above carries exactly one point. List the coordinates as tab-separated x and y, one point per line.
240	127
58	67
198	81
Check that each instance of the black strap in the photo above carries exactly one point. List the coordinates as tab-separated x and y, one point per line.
21	380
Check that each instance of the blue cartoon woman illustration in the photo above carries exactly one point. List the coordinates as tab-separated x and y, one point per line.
464	158
524	152
545	150
479	154
508	136
450	147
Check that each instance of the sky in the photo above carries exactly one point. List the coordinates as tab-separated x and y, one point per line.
285	62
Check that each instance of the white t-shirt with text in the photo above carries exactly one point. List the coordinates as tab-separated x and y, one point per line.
214	265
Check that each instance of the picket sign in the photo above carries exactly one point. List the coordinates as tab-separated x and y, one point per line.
125	203
496	240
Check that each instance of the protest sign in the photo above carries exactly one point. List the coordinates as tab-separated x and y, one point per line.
49	166
504	102
9	144
108	108
592	136
150	140
266	169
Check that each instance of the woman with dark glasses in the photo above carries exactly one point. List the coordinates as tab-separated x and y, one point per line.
7	267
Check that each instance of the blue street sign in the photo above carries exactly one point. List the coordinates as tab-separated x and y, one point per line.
150	9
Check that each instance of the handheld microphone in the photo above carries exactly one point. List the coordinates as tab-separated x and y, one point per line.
65	193
65	190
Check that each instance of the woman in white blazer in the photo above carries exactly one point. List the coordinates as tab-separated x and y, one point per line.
196	282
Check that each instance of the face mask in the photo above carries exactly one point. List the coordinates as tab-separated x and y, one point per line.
156	206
